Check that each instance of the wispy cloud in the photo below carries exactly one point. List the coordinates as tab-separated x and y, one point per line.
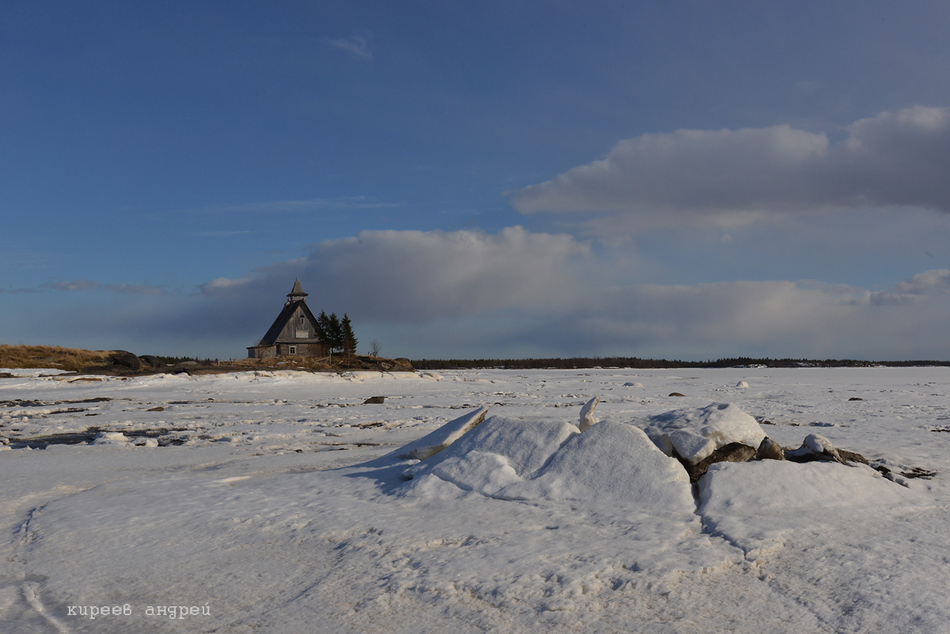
354	45
92	285
293	206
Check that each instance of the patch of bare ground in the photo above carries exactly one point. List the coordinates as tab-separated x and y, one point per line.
69	359
122	363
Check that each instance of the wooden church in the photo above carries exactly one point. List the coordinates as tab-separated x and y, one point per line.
294	332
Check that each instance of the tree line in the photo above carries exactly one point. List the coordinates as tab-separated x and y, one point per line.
646	364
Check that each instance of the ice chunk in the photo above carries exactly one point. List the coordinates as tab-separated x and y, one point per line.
587	414
110	438
433	443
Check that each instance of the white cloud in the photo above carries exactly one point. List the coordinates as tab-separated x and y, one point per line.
891	160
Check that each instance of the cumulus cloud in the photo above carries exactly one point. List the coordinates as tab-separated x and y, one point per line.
915	289
421	275
890	160
518	293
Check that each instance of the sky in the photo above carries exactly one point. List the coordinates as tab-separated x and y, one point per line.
681	180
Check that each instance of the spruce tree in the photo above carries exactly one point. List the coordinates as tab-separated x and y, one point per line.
335	332
349	338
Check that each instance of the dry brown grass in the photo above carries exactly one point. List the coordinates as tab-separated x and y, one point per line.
71	359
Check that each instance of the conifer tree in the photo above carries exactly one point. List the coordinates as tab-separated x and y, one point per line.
326	331
349	337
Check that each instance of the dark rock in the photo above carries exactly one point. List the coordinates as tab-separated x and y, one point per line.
855	398
152	362
125	360
156	409
7	375
676	394
733	452
769	450
375	400
851	456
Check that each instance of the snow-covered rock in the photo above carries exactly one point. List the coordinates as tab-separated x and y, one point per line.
816	447
695	433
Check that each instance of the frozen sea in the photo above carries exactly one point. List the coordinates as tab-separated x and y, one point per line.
275	501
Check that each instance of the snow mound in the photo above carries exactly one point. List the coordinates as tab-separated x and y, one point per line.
609	465
775	486
496	453
696	433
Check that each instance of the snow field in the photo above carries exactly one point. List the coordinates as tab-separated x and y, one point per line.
282	505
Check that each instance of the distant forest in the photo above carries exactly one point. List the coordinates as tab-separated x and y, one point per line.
647	364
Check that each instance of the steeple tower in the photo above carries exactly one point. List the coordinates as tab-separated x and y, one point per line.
297	294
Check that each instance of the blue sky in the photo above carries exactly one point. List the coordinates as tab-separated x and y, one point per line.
506	179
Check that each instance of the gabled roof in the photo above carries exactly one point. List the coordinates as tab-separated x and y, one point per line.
286	314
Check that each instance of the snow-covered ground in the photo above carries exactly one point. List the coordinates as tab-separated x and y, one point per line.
276	502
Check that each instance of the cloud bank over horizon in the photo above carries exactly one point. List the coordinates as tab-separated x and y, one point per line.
517	293
891	160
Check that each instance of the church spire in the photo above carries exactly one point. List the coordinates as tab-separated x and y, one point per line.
297	293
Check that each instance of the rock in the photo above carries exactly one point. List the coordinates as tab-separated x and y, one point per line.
375	400
769	450
851	456
733	452
587	414
152	362
855	398
7	375
156	409
742	384
125	360
433	443
633	384
676	394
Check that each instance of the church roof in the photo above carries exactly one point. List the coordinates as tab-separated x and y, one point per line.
286	314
